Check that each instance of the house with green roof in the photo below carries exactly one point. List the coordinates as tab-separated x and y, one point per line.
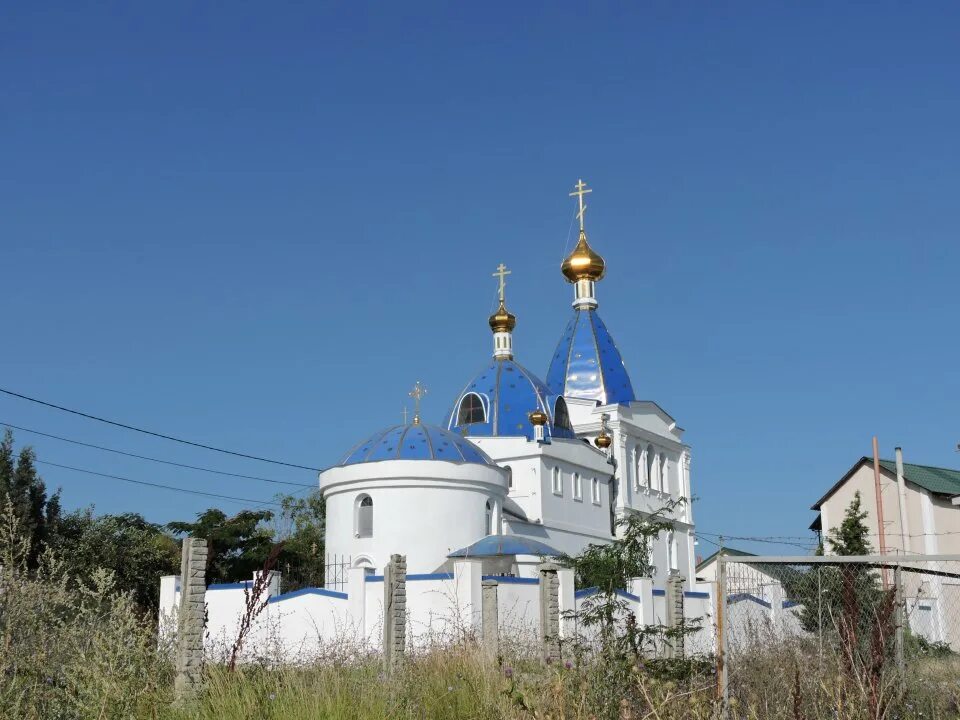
928	501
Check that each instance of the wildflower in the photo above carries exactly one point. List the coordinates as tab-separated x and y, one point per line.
508	673
568	665
273	696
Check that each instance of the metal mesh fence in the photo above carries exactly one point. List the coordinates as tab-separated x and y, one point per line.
855	630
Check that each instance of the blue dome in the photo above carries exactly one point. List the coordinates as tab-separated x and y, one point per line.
416	442
497	402
497	545
587	363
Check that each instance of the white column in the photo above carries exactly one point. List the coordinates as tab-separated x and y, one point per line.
775	595
467	587
568	602
643	588
357	601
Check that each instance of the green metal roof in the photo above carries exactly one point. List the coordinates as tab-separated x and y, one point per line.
725	551
937	480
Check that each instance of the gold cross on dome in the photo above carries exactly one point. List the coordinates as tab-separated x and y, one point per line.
502	273
581	190
418	392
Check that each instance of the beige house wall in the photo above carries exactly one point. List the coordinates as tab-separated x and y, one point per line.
940	513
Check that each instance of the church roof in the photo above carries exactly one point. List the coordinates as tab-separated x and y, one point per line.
416	441
587	364
508	393
497	545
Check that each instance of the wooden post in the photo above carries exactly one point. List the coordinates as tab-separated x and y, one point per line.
900	617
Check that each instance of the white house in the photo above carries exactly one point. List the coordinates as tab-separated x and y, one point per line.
555	461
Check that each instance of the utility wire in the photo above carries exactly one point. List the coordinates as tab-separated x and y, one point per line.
157	434
158	485
156	460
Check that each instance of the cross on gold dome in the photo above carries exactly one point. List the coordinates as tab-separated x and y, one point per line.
502	273
581	190
418	392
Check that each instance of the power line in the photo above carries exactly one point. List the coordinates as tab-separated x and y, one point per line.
158	485
156	460
157	434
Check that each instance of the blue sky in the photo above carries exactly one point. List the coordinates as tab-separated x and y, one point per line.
257	227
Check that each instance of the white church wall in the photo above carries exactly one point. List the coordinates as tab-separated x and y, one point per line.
421	509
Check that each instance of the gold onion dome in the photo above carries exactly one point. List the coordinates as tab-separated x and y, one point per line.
583	263
538	417
502	320
603	440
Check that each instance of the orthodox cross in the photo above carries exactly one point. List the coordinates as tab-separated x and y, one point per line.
502	273
418	392
581	190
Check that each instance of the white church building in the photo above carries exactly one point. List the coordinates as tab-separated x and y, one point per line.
521	467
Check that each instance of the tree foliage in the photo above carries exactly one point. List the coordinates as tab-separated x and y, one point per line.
239	545
37	513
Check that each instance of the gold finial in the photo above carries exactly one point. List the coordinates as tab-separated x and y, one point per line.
502	273
404	414
603	440
502	320
581	190
583	263
538	417
418	392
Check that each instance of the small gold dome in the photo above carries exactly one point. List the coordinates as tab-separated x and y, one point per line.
538	417
583	263
603	440
502	320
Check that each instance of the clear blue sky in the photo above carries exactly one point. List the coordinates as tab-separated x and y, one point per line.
256	227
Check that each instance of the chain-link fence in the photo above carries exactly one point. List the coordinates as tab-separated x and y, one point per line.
821	633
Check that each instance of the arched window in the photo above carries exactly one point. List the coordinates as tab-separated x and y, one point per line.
489	521
364	516
577	487
664	475
561	418
471	410
673	561
648	469
595	490
556	481
509	477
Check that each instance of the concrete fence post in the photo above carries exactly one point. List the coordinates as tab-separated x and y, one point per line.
394	612
490	621
191	616
549	612
674	612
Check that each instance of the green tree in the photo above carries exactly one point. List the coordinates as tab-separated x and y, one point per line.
300	525
36	512
239	545
851	537
137	552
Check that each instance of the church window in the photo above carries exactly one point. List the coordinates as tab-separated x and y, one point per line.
561	418
489	522
364	516
557	481
672	551
471	410
577	487
595	490
509	477
648	468
664	475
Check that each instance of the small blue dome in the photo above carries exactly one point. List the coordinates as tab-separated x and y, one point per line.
497	545
497	401
587	363
416	441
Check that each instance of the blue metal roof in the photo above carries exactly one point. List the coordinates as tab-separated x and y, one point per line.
416	442
494	545
509	392
587	363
